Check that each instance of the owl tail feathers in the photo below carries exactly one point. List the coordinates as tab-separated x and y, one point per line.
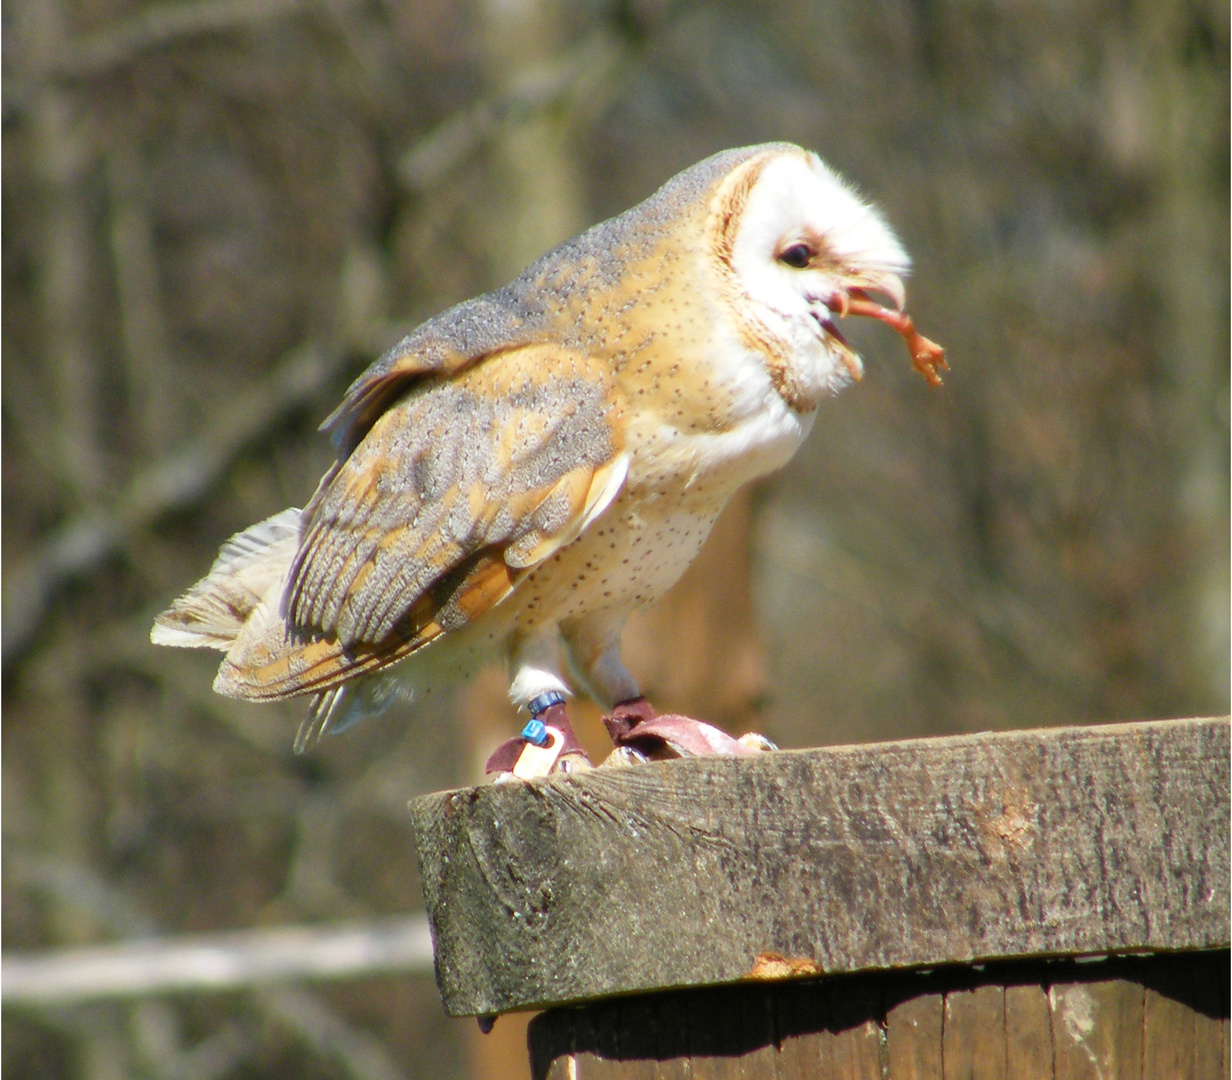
246	579
236	608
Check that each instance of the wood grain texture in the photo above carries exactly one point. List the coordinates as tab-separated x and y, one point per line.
1097	1030
1053	842
1209	1035
913	1037
854	1054
953	1023
1167	1038
973	1034
1028	1032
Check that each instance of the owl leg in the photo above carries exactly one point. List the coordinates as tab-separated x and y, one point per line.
547	743
592	644
640	734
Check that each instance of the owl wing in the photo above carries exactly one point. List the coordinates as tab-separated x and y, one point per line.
454	340
457	490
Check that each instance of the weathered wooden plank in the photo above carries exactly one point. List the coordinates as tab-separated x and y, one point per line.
1185	1022
1097	1030
1210	1004
729	1037
1209	998
854	1054
1028	1032
1167	1037
850	1047
799	1016
1060	841
913	1037
973	1034
857	1027
1208	1049
649	1042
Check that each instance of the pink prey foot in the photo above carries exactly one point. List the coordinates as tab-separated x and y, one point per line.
547	745
642	735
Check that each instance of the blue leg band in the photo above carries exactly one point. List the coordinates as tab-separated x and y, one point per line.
545	701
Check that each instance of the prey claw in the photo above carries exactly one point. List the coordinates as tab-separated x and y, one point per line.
622	756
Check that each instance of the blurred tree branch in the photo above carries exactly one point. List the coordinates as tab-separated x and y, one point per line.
360	1055
578	81
62	155
219	961
159	25
174	483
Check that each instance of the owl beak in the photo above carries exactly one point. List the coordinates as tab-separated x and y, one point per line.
927	356
889	286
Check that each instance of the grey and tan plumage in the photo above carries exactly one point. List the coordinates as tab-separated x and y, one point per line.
524	469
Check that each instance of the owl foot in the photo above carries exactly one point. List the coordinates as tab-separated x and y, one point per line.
547	745
626	715
642	735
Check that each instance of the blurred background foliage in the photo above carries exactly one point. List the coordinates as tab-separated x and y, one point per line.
216	212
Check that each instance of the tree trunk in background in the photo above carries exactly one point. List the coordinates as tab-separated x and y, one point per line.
1174	140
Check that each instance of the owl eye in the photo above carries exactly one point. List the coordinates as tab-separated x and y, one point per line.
797	256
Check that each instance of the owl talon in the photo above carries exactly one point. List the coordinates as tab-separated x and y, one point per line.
573	763
626	715
622	756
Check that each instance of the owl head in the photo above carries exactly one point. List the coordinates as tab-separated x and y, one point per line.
801	250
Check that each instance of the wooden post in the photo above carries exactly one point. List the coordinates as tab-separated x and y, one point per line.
1044	903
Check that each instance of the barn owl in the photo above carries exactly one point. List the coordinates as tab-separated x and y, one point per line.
518	474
